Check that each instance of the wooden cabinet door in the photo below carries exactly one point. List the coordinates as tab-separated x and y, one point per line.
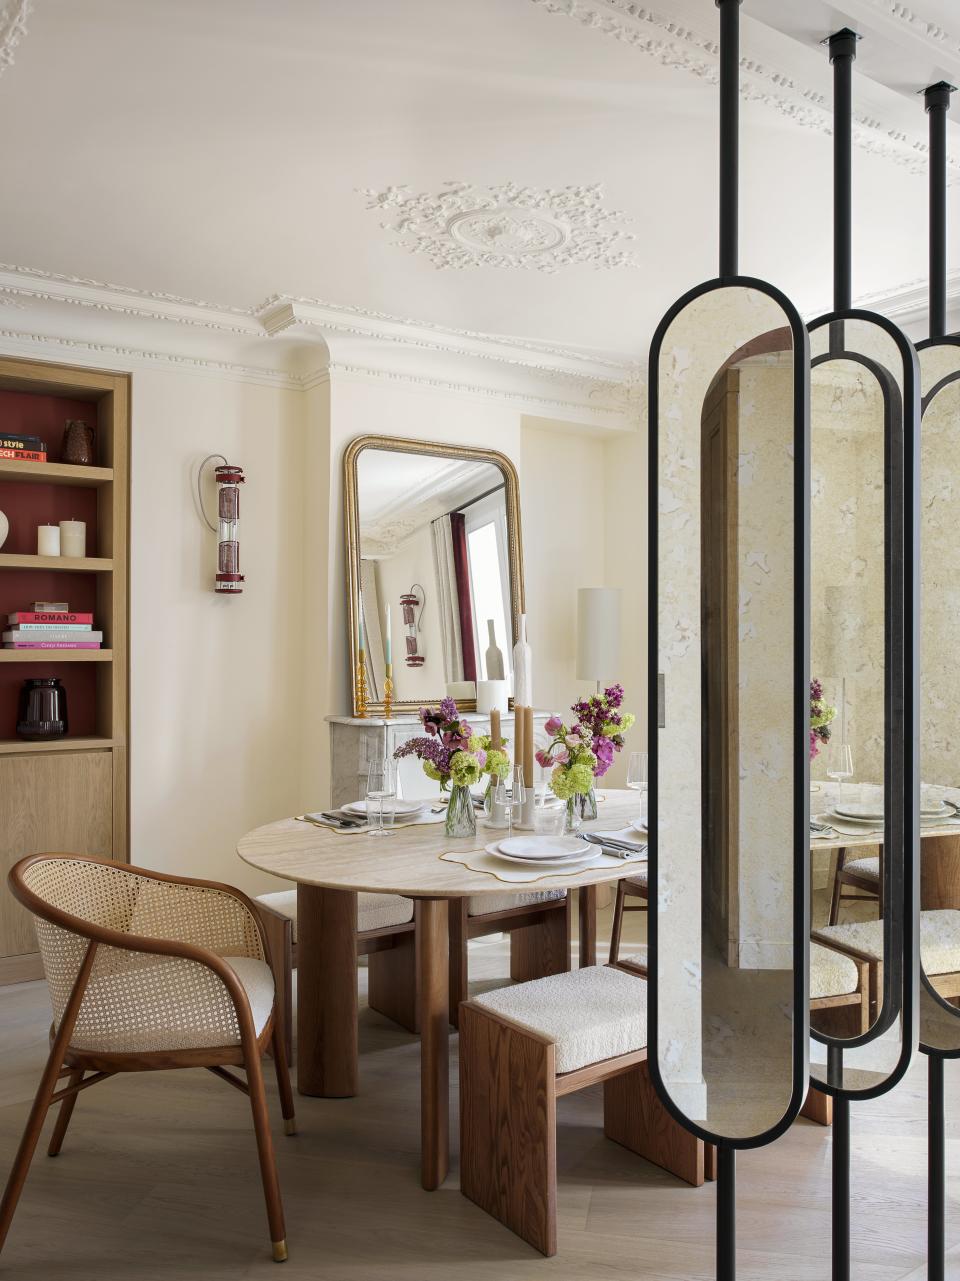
61	803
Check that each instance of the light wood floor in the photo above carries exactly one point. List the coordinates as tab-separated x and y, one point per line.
158	1180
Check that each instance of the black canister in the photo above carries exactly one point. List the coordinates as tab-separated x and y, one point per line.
43	708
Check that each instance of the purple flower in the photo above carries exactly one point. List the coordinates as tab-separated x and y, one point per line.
448	709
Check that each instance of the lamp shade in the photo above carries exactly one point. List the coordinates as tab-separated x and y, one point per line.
598	633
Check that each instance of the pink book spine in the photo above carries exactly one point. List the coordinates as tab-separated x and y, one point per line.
52	645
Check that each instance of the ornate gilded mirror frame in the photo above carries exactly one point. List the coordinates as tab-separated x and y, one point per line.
390	444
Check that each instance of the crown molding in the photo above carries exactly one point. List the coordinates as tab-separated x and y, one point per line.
936	37
910	303
13	27
676	44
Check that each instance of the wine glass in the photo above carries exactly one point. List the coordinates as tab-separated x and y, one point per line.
637	767
512	800
381	786
842	767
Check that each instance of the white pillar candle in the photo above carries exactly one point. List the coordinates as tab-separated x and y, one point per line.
48	540
73	538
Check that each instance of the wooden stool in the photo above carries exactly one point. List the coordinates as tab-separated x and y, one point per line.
523	1047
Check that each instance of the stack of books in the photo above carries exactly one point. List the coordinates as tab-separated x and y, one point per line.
56	628
31	449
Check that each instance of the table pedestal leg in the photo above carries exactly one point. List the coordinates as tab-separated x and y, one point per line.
588	925
326	992
433	962
939	872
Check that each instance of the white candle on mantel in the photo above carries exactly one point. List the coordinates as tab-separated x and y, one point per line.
73	538
48	540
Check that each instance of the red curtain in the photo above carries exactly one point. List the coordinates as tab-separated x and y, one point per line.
461	565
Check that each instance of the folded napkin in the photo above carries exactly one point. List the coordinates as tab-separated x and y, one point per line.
625	835
413	820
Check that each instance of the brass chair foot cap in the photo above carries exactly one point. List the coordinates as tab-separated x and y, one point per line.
279	1251
289	1125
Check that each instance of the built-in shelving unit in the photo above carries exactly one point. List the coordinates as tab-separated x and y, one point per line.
68	793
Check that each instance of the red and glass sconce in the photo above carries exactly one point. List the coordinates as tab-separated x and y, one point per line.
411	606
228	478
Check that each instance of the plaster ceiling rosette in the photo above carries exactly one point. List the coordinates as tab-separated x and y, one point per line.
538	228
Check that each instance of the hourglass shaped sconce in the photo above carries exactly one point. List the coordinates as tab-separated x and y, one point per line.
228	478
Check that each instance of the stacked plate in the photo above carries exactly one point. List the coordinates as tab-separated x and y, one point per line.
871	815
399	809
552	852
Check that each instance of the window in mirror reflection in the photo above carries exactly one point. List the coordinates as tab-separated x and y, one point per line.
433	527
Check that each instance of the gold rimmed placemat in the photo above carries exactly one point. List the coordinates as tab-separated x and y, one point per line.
481	861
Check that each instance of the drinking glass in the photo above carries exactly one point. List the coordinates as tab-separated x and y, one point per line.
511	800
637	766
842	767
549	821
381	786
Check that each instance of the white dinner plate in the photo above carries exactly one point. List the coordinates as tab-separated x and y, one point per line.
866	823
637	826
853	809
546	864
389	807
535	847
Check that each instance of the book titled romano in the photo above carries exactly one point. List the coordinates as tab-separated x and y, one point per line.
48	617
20	636
51	644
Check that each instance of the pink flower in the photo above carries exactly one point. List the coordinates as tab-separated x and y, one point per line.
543	758
553	725
561	757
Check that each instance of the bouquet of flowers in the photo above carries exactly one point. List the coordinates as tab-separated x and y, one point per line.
451	753
821	714
585	751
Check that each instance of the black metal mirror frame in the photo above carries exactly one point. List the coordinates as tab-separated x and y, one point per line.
801	653
901	695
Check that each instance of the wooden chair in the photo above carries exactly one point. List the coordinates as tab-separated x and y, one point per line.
862	941
634	886
861	874
148	972
538	924
523	1047
539	927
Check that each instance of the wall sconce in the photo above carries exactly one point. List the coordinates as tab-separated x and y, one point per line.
229	479
410	601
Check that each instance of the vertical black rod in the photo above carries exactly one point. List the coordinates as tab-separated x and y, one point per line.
726	1212
841	1188
936	1170
843	50
729	134
937	103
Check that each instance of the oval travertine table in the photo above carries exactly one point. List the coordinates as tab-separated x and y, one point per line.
330	869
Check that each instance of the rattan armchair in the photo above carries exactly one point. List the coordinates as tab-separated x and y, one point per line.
148	972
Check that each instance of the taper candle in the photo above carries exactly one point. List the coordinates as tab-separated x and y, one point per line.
48	540
495	733
389	647
73	538
517	736
528	746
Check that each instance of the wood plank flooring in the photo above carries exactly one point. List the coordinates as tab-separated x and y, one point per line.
158	1180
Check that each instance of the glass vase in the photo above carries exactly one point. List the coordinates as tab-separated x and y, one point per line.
581	808
461	817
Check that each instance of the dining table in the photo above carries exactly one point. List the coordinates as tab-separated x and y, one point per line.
331	867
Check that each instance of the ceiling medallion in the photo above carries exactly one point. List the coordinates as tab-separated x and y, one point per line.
506	226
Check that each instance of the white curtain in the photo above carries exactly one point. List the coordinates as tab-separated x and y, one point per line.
442	533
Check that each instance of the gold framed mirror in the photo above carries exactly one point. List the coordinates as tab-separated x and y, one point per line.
433	542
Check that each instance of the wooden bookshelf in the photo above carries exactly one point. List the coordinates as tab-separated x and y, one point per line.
70	793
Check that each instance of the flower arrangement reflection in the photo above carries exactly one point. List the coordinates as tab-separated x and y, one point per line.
821	714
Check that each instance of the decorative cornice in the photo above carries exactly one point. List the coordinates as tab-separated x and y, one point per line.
937	37
910	302
678	46
13	27
533	228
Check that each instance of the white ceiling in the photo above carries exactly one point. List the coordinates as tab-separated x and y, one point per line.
216	149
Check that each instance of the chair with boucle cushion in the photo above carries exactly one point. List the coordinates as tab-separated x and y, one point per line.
386	935
523	1047
939	950
148	972
861	874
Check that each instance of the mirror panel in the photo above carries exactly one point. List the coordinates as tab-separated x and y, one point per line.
433	532
940	680
728	783
861	387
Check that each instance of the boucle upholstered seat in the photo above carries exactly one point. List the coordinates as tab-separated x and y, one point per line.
522	1047
148	972
374	911
831	972
939	939
868	867
590	1014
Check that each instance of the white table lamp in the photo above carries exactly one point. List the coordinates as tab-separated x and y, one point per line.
598	634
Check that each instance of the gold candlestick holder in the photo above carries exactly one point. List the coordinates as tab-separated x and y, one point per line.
360	687
388	692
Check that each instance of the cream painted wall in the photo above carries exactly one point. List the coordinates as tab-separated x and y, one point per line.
216	700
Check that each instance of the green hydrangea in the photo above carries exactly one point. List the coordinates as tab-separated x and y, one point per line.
498	763
464	769
571	780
